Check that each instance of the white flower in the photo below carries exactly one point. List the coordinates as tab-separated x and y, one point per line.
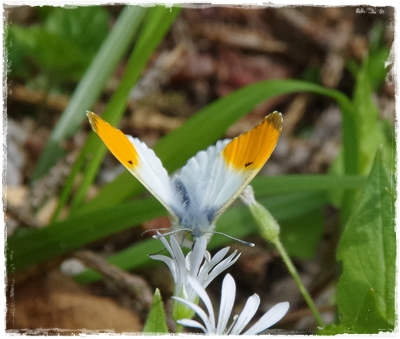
198	265
275	314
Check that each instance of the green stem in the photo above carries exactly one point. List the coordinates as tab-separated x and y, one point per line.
269	229
296	277
179	328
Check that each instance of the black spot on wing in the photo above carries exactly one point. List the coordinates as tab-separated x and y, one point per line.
130	162
182	192
247	164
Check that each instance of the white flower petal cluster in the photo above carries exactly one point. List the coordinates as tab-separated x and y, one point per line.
210	327
198	265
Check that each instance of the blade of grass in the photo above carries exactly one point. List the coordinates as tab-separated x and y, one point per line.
282	207
158	21
91	85
156	26
61	237
209	124
39	245
297	183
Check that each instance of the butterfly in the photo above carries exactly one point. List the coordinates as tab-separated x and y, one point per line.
203	189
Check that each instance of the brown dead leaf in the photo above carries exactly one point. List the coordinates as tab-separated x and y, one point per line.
57	302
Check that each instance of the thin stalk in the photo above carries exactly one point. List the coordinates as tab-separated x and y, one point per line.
269	230
289	264
179	328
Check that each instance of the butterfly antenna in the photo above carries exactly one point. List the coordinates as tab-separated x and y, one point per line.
160	251
161	235
169	233
156	229
249	244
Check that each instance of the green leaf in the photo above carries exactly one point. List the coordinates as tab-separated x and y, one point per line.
376	67
333	329
368	250
63	60
88	90
156	322
369	128
86	26
369	319
63	46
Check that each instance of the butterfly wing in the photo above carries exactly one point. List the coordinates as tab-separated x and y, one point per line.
138	159
214	178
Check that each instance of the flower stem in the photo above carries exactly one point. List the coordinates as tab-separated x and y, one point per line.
296	277
178	329
270	230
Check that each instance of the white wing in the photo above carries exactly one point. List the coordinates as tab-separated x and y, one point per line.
214	178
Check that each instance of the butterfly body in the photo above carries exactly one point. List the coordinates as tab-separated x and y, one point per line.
201	191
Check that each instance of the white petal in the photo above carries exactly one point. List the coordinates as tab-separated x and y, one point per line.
207	256
176	251
219	256
198	311
270	318
222	266
246	315
209	264
178	257
187	259
203	296
165	242
191	323
197	255
169	262
227	300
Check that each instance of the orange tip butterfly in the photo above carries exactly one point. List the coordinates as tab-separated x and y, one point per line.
209	182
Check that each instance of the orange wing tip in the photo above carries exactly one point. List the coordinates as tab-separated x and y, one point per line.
251	150
115	140
276	120
93	119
